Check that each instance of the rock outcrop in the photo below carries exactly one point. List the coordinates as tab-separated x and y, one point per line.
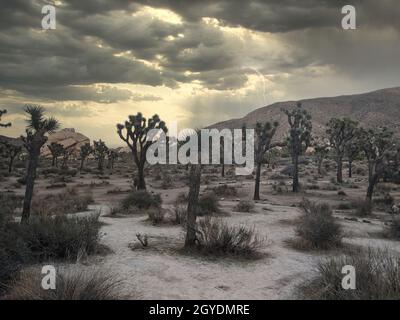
69	138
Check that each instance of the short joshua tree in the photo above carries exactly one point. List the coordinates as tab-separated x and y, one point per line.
10	151
299	138
341	133
56	150
84	152
134	134
100	152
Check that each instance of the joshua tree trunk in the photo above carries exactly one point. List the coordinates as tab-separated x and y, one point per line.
296	173
223	170
320	166
30	182
194	189
350	169
53	162
141	183
371	185
82	162
10	164
339	176
257	183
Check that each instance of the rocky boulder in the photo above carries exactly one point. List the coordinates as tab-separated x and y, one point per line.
69	138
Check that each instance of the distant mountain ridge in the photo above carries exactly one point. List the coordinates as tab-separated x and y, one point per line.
376	108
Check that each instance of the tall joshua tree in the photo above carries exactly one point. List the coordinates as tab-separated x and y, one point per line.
264	134
134	134
11	151
299	138
100	151
56	150
4	124
37	128
341	132
84	152
376	144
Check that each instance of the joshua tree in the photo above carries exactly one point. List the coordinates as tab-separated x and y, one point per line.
11	151
111	157
100	151
84	152
264	134
65	156
341	132
299	138
353	152
4	124
321	152
56	150
135	136
376	145
37	128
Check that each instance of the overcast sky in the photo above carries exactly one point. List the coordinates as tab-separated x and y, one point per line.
196	62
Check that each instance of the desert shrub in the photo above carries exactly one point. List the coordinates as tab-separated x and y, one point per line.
156	215
393	228
317	228
288	170
378	277
313	187
215	237
180	211
71	285
43	239
244	206
51	170
330	187
361	171
384	201
166	182
223	190
345	206
182	198
280	187
8	204
362	207
68	201
60	237
208	204
141	199
341	193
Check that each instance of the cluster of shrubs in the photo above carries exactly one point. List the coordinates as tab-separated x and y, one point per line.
67	201
215	237
317	227
78	285
244	206
208	203
44	239
223	190
377	277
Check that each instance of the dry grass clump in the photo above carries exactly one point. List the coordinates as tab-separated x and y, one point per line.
244	206
215	237
78	285
142	200
393	229
156	215
362	207
317	228
223	190
68	201
377	277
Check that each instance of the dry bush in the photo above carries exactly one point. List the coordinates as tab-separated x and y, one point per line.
78	285
244	206
141	199
68	201
317	228
377	277
180	211
362	207
393	228
208	204
215	237
223	190
156	215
